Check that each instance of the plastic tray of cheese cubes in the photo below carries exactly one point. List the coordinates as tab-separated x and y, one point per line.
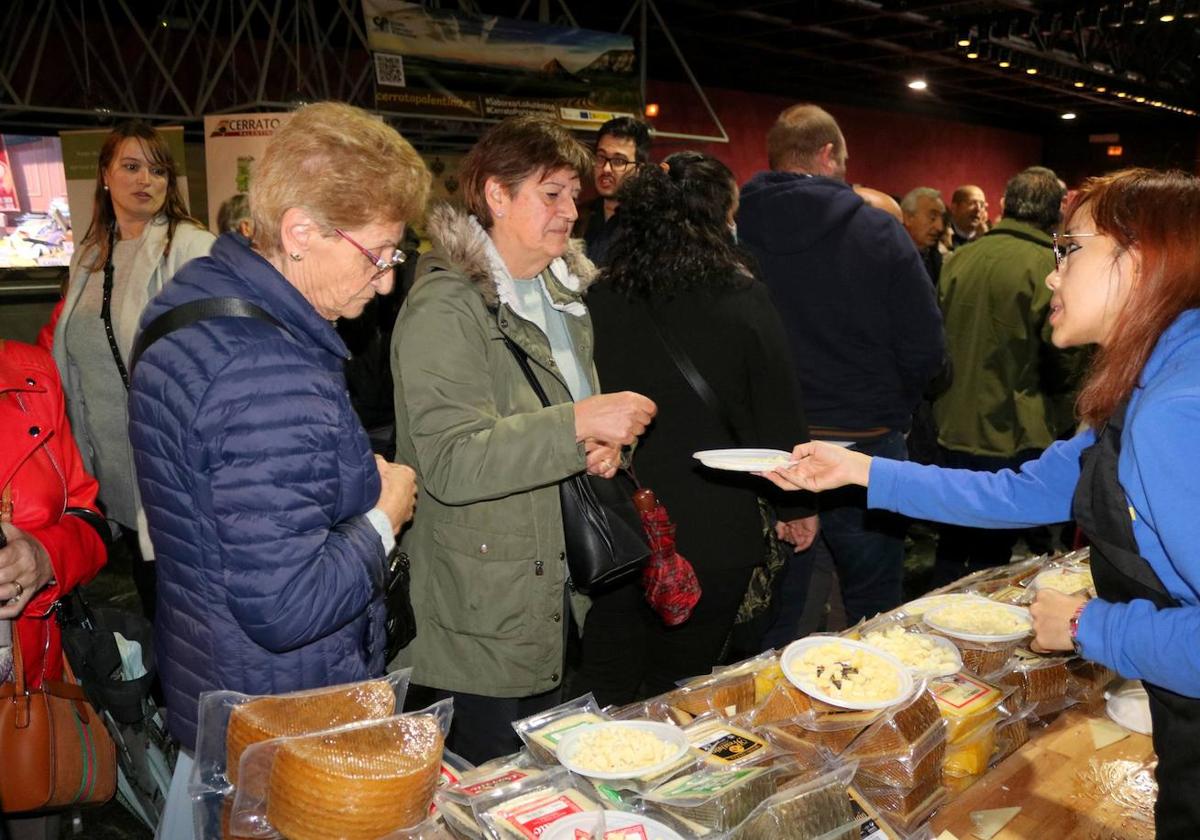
987	633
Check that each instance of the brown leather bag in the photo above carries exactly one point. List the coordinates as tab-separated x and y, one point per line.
54	749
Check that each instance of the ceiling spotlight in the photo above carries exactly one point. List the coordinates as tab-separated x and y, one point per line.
1167	18
1032	71
1139	99
973	53
1080	84
1101	89
1070	115
918	84
1005	63
1121	94
651	110
963	42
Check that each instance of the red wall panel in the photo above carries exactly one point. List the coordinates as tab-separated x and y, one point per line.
889	150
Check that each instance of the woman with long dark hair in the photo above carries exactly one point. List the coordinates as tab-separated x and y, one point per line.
677	283
1127	279
141	234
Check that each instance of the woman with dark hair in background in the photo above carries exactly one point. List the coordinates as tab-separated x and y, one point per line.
676	276
141	234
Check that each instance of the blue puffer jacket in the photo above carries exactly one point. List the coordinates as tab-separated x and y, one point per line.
255	475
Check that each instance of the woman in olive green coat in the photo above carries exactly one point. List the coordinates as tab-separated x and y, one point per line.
489	577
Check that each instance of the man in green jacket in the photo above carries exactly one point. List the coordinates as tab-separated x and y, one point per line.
1010	396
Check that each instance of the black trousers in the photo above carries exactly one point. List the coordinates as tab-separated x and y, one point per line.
628	653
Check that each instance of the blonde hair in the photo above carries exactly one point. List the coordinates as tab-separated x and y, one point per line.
342	166
799	133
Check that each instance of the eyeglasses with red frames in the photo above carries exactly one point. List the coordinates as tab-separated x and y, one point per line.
383	266
1062	249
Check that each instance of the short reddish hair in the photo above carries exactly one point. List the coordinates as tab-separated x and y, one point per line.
1159	214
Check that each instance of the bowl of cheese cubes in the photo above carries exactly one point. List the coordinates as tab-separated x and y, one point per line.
622	749
846	673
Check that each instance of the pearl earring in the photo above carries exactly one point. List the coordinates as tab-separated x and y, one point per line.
105	187
295	256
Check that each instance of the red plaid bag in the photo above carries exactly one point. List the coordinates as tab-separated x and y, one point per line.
669	580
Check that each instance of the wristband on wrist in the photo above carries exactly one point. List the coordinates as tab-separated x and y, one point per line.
1073	623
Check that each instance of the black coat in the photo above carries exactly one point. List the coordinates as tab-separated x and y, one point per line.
735	339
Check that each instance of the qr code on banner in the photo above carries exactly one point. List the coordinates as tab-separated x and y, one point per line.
389	69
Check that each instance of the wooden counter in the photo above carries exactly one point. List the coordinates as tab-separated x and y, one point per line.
1052	780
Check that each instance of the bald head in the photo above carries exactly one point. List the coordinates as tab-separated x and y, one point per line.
806	138
880	201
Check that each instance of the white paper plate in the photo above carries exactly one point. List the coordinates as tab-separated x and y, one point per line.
919	607
565	828
663	731
1129	706
931	618
743	460
798	647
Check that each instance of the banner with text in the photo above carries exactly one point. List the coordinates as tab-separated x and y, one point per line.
232	143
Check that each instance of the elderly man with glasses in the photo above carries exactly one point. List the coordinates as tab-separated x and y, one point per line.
622	145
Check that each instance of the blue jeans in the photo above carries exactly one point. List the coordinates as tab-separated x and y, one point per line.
867	545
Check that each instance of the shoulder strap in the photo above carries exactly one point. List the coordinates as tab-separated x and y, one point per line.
694	378
198	310
523	363
106	310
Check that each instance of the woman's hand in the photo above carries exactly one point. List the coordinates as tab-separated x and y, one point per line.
24	569
821	466
398	494
1052	612
616	418
799	533
603	459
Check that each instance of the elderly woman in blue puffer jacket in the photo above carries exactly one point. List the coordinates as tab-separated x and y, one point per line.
269	515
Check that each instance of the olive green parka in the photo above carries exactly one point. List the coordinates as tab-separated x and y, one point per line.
486	545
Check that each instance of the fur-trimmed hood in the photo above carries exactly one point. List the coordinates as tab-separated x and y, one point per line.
463	242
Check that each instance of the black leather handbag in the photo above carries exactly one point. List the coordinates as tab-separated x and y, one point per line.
603	531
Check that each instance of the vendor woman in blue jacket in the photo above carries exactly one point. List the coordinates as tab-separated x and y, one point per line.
1127	278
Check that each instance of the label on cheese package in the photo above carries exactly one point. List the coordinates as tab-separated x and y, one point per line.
530	819
959	695
725	744
549	735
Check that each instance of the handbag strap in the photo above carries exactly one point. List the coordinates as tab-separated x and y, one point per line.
198	310
693	377
523	362
106	309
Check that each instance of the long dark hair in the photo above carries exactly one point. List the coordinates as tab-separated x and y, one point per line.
672	230
104	220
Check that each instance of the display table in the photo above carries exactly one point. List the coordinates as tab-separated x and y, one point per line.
1053	780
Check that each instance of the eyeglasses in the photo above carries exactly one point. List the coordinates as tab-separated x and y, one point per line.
618	164
1063	250
380	263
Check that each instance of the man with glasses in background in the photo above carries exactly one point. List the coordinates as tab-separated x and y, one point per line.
622	145
1011	396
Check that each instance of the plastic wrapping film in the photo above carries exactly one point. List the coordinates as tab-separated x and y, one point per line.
907	767
971	755
982	659
230	721
455	801
908	811
900	727
831	731
1012	733
363	781
723	695
716	799
528	808
615	825
966	703
1036	678
542	732
925	655
815	808
1088	680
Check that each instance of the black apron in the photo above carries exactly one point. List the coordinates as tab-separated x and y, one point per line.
1122	575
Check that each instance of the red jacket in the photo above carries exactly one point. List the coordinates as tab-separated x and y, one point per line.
40	458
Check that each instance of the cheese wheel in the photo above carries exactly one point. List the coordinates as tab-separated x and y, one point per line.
301	714
356	784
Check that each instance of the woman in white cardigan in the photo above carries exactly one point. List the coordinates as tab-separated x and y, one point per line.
141	234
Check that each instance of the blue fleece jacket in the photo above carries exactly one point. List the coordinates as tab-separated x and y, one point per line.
865	330
1159	469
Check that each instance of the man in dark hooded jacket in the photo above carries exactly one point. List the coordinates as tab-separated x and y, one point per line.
863	324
